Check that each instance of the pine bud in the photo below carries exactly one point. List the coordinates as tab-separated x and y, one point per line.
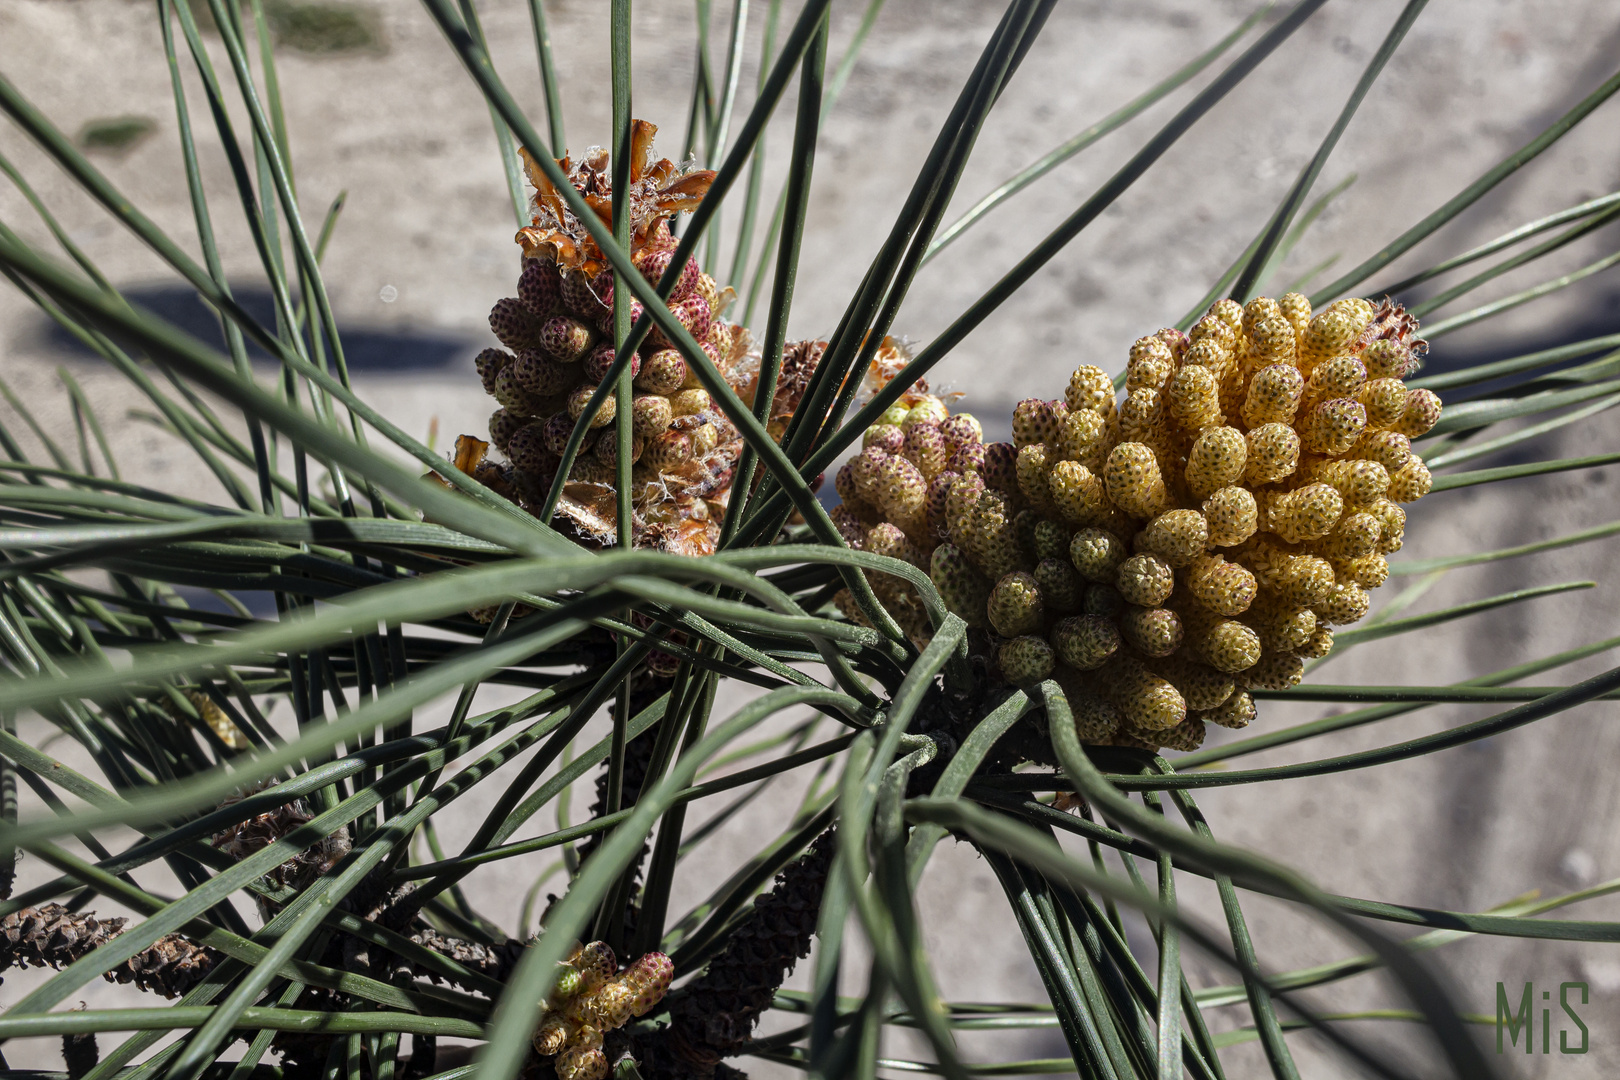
1104	600
1341	377
1346	603
599	362
1026	660
649	977
1359	482
540	287
1282	628
927	410
502	426
1051	540
901	489
1142	415
888	539
961	430
1333	426
1422	413
1185	736
1226	645
1272	342
1000	469
1386	359
1384	400
1194	395
1133	482
1216	460
1176	536
1304	581
595	963
1032	422
1355	535
1085	642
542	376
1257	311
1275	671
527	450
1306	513
1297	310
1232	515
1016	607
1224	588
1200	685
565	338
1152	631
662	373
654	264
668	451
1031	467
1412	482
1320	643
1090	388
966	459
490	362
964	591
581	1065
1062	587
1390	449
580	398
1145	580
1274	395
511	396
650	415
1144	699
1094	718
1236	712
1151	370
1368	571
925	448
886	437
1329	334
1075	494
1083	437
551	1036
557	431
1097	554
939	493
1230	312
1273	454
513	324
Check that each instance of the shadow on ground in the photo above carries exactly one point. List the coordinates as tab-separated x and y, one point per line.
366	349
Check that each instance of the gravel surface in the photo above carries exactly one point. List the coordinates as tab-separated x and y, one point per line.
424	247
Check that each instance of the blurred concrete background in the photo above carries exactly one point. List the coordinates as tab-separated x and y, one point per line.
424	247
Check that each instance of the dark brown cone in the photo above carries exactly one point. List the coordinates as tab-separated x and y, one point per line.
52	936
495	961
715	1014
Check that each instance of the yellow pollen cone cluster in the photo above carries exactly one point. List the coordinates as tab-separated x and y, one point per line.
1162	553
591	1000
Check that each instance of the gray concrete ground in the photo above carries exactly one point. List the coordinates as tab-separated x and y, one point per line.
424	247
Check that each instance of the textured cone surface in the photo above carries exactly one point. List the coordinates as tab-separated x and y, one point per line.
1171	547
717	1012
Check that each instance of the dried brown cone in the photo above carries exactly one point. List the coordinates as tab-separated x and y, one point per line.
714	1016
52	936
495	961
